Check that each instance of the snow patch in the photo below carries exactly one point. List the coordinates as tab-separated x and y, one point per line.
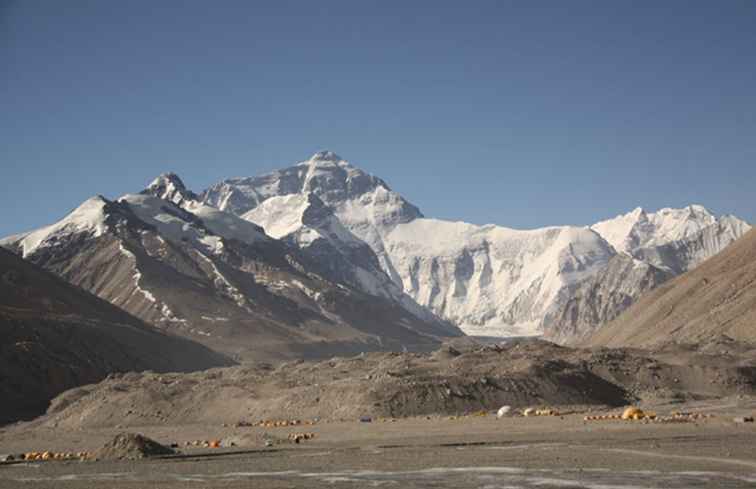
279	216
137	276
215	318
225	224
223	283
174	223
169	316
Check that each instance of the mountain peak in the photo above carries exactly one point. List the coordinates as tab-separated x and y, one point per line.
165	180
168	186
698	209
168	177
637	215
89	217
326	155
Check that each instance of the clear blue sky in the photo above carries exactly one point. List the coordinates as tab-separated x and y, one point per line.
518	113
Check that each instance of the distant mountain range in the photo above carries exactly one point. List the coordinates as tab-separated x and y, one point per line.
489	280
322	258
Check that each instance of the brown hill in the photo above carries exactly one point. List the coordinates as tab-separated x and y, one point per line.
461	377
716	299
54	336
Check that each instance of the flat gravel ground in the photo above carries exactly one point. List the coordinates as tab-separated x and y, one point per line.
542	452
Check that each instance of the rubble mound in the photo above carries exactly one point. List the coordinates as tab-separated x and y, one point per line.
132	446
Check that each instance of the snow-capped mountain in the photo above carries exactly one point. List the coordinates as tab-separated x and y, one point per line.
305	244
653	247
307	223
168	186
363	203
210	275
489	280
671	239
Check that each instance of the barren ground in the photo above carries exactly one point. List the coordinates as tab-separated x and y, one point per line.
426	427
470	451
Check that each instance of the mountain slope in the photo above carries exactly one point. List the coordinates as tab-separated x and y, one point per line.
489	280
602	297
218	279
716	298
56	336
492	280
307	223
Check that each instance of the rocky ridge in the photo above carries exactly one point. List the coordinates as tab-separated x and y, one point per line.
206	274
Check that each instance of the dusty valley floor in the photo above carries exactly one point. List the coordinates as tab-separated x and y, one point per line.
439	451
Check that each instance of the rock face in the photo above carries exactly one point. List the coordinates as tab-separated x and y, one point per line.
211	276
56	336
489	280
602	297
715	300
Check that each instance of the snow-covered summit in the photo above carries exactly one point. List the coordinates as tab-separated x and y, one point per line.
639	228
354	194
168	186
89	217
324	158
639	231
